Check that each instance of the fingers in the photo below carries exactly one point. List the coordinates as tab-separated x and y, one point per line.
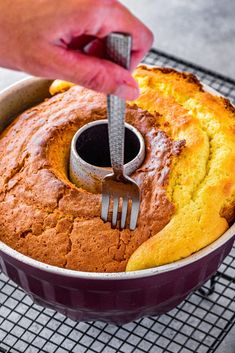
81	24
142	38
90	45
111	16
91	72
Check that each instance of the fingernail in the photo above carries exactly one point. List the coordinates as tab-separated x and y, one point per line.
127	92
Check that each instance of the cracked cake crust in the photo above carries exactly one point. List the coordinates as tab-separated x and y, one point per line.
54	221
187	179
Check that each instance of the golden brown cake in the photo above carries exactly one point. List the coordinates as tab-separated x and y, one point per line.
187	179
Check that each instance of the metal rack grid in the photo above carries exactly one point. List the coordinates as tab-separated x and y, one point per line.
199	324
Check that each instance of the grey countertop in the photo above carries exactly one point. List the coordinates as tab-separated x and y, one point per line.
200	31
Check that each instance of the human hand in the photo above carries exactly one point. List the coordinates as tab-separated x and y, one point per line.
65	40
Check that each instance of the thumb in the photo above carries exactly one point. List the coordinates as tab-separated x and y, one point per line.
91	72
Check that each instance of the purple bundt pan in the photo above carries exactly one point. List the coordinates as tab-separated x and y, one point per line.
112	297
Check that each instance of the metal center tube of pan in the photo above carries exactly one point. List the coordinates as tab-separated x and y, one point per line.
90	154
93	146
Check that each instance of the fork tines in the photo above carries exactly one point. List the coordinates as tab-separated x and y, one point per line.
122	210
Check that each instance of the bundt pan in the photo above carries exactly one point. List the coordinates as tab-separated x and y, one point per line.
112	297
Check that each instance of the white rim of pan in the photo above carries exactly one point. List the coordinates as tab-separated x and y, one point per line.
224	238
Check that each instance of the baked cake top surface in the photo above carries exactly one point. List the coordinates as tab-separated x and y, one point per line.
187	178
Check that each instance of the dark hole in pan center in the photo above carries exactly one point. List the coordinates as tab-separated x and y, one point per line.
93	145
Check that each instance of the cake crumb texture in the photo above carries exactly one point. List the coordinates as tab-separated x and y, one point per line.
187	179
202	180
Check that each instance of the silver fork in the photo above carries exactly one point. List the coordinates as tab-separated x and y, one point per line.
117	185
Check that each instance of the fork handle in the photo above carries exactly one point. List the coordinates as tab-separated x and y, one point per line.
118	46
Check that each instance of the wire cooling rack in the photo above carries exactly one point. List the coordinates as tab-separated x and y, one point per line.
197	325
